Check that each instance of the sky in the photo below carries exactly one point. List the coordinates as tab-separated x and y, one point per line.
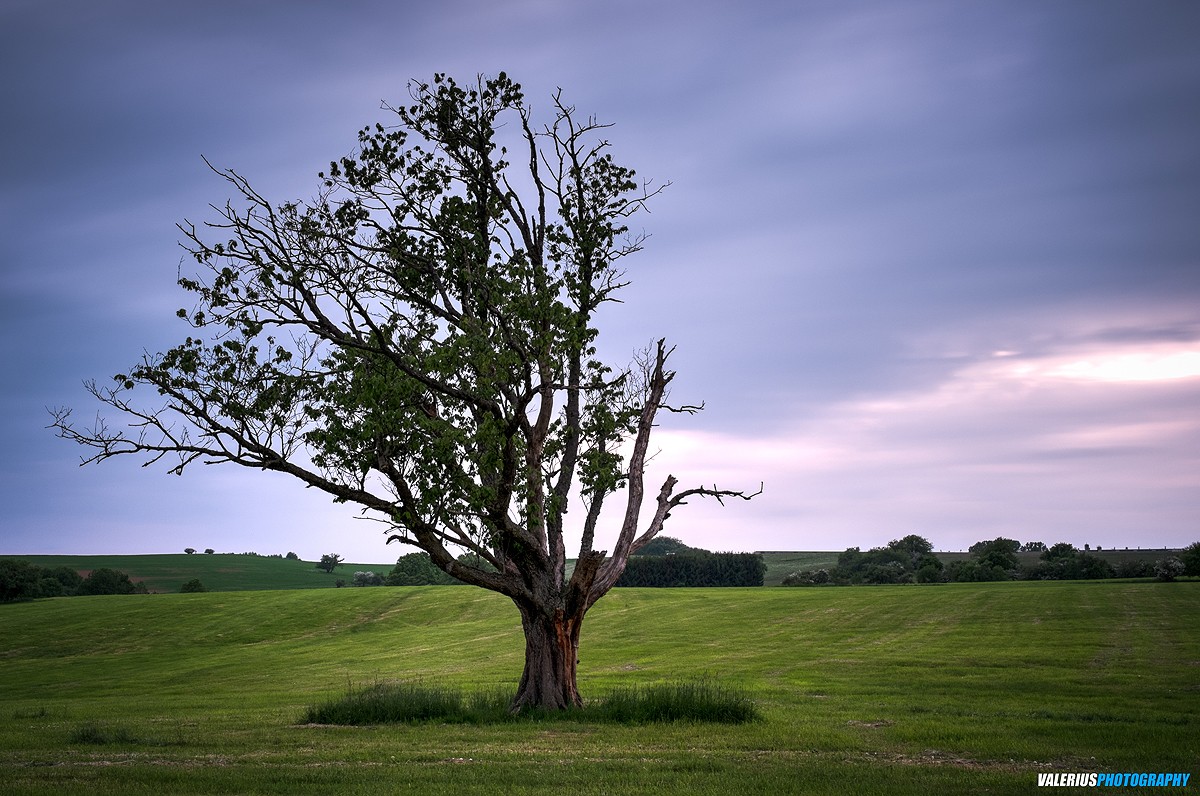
932	267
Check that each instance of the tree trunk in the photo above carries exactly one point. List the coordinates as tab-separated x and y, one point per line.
551	655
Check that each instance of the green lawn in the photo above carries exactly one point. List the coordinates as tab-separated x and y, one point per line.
960	688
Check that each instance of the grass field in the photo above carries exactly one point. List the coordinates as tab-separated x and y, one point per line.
961	688
218	572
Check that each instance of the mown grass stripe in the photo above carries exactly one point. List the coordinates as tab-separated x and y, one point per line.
964	687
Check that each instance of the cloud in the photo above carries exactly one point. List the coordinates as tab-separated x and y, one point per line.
869	201
1003	445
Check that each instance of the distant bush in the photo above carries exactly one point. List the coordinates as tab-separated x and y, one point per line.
1063	561
1167	569
889	572
898	562
21	580
18	580
69	578
973	571
367	579
417	569
1134	568
193	586
50	587
879	565
808	577
998	554
209	551
189	550
1190	556
1089	567
292	557
914	547
109	581
930	569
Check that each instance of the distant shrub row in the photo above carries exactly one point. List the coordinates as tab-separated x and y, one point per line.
910	560
21	580
695	568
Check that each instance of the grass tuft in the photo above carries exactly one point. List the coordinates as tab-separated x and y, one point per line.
702	700
402	703
103	735
39	712
100	735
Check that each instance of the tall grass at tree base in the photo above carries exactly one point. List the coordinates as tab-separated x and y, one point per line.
700	700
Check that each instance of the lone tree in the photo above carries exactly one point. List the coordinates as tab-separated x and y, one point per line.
329	562
419	339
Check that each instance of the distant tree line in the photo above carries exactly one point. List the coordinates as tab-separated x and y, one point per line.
911	560
21	580
210	551
688	567
413	569
905	560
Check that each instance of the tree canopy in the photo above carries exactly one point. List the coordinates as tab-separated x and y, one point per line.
419	339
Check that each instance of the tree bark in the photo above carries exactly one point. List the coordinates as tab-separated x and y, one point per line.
551	657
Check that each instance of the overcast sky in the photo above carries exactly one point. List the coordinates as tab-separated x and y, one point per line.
933	267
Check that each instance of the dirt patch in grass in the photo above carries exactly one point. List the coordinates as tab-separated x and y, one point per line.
936	757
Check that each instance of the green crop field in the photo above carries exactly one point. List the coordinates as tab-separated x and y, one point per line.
781	564
961	688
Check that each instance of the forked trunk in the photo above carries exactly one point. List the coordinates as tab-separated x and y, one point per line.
551	655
